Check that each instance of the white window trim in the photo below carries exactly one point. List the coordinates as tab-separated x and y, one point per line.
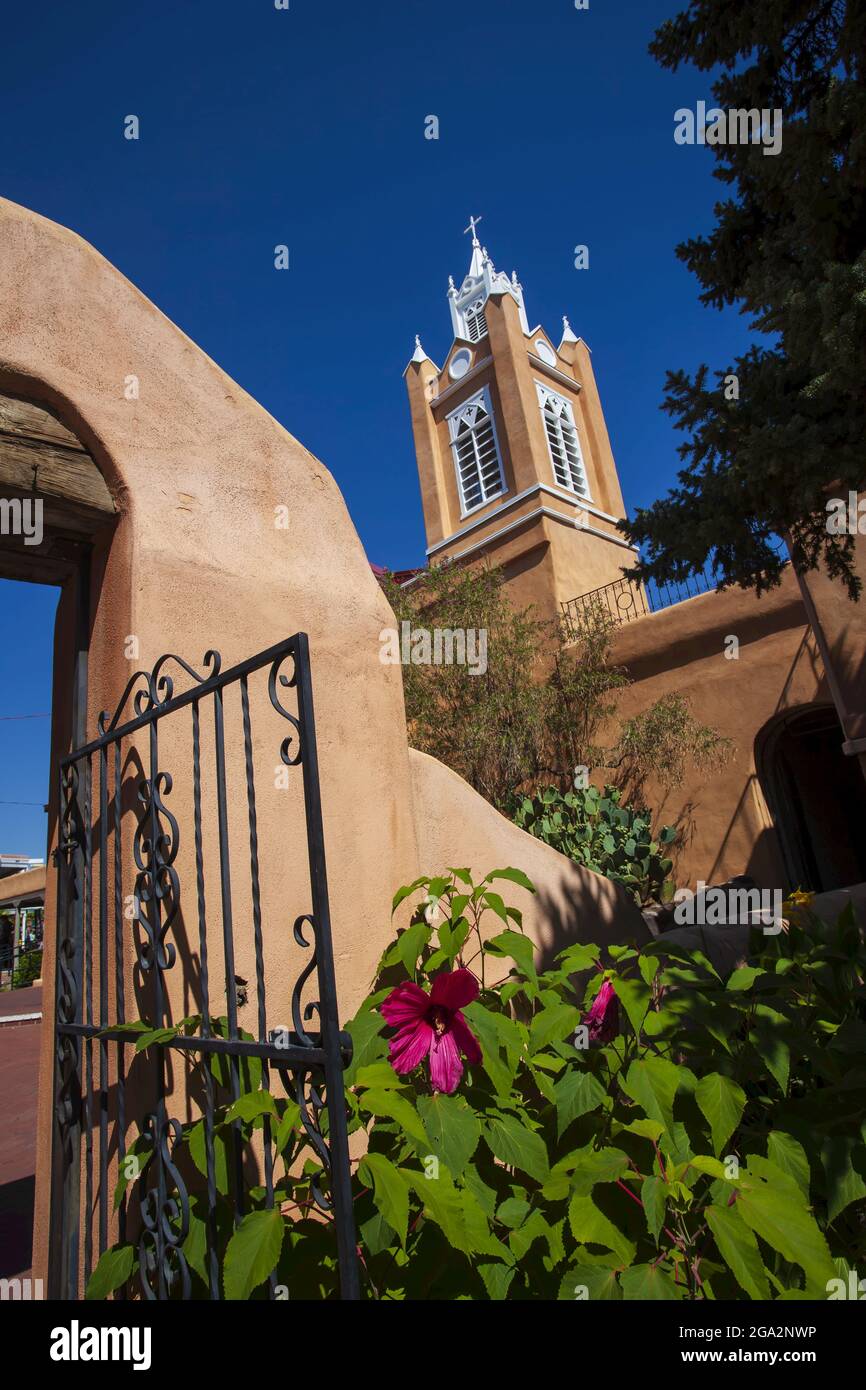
543	392
482	397
476	310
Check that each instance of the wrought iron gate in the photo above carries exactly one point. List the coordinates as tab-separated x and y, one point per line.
120	901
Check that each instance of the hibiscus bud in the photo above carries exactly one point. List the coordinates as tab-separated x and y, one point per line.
603	1018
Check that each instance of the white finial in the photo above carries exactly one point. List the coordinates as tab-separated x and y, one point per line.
419	355
473	223
451	284
567	334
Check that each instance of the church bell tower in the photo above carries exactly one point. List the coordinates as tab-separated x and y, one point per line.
513	454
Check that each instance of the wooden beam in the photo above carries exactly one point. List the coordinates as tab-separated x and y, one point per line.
40	457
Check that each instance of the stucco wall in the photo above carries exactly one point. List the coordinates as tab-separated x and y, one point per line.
681	650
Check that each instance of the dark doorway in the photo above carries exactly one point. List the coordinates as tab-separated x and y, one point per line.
817	798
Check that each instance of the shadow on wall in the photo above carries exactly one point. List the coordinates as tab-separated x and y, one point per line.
765	863
576	916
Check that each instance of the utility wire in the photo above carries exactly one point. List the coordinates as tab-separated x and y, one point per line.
25	716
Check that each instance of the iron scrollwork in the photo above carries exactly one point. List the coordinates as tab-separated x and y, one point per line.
163	1269
275	677
157	888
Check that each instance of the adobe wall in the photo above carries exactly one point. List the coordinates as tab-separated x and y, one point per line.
27	884
198	468
682	650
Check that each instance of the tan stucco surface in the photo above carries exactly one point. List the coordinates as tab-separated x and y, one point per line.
27	884
196	560
681	650
571	904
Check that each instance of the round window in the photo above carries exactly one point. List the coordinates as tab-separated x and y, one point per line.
545	352
460	364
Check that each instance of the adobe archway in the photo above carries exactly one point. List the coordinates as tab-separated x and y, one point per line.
816	796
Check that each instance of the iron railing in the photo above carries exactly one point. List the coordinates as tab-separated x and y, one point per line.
624	600
120	904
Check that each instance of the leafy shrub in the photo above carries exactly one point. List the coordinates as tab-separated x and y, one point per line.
29	968
547	700
596	830
661	1133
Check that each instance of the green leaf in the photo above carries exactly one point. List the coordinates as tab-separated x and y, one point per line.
287	1125
129	1171
555	1022
513	1212
591	1166
589	1226
844	1183
497	1279
739	1249
578	1093
379	1075
252	1253
647	1129
495	903
483	1023
376	1235
776	1212
113	1270
390	1191
592	1283
390	1105
645	1282
774	1052
156	1035
249	1107
514	876
536	1228
406	891
519	948
513	1143
578	957
411	942
653	1196
457	1212
368	1044
722	1102
463	875
452	938
790	1156
744	977
453	1130
195	1247
635	997
197	1148
653	1083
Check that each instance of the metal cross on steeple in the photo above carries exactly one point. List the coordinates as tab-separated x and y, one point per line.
473	223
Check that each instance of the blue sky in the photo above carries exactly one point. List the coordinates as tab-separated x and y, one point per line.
306	128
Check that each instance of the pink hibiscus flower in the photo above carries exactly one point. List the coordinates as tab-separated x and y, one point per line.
433	1024
603	1018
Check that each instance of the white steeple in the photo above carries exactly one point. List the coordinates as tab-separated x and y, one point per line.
482	280
568	335
419	355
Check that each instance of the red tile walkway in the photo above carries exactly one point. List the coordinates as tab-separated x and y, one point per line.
19	1066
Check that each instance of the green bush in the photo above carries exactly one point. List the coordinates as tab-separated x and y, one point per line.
28	969
596	830
661	1133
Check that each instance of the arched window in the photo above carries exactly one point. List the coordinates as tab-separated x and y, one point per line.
476	323
476	452
562	441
